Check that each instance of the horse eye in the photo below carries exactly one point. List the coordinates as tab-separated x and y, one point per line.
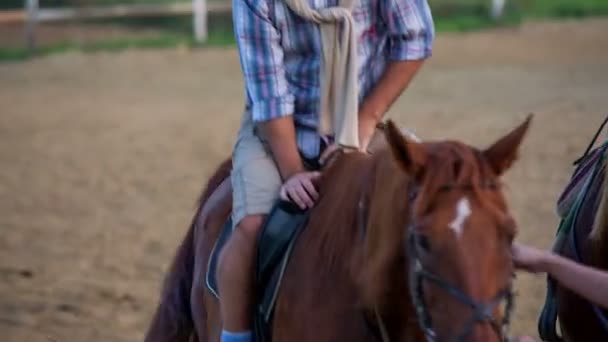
424	243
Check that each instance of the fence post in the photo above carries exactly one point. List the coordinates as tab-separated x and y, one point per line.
497	9
200	20
30	23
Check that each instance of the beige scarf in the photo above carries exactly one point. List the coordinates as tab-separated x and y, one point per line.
339	88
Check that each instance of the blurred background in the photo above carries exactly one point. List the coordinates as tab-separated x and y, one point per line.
93	25
113	113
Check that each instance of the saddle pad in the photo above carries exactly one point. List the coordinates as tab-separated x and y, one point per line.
577	206
579	178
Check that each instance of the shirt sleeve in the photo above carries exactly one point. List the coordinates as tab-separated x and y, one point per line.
410	27
261	58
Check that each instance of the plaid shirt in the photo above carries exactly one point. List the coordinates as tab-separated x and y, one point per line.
280	54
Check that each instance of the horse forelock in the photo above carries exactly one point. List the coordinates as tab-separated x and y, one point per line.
449	164
457	165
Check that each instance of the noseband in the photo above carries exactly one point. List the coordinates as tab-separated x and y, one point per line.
482	312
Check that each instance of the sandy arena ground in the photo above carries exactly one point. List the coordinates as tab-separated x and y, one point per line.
102	157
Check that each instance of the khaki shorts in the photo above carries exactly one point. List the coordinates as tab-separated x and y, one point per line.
255	177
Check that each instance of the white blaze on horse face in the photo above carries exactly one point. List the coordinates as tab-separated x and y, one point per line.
411	135
463	211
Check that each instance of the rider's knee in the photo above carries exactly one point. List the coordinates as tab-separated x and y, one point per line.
250	227
243	238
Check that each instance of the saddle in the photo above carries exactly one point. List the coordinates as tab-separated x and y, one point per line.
576	207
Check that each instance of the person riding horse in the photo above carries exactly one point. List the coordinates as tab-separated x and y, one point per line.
303	99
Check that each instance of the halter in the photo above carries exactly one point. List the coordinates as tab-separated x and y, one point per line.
482	312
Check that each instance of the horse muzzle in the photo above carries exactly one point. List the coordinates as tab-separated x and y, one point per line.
481	312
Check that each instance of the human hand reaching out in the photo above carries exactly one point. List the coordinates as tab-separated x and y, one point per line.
529	258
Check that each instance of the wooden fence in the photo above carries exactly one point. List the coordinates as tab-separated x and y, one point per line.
33	14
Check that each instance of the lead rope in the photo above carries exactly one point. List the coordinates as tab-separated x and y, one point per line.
592	143
381	326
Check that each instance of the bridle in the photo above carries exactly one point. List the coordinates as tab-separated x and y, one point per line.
482	312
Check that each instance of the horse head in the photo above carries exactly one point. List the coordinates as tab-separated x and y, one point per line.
448	236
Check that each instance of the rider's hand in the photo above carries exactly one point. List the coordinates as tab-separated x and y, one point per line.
300	189
529	258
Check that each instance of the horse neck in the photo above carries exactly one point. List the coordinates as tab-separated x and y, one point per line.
386	205
336	239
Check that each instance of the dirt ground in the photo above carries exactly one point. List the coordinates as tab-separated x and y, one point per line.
103	155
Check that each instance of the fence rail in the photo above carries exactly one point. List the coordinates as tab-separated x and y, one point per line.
32	14
116	11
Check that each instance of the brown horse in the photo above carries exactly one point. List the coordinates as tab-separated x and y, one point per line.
409	243
582	237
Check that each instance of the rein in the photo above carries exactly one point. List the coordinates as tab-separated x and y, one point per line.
482	312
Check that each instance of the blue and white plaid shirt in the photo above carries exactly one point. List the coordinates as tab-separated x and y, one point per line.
280	54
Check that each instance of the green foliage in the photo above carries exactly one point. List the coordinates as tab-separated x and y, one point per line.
12	4
449	15
564	8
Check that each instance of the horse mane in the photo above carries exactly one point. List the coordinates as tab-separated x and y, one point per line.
335	216
599	233
387	215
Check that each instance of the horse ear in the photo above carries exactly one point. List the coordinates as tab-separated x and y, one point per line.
410	155
504	152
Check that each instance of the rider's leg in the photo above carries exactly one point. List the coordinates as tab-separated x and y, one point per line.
235	275
255	183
